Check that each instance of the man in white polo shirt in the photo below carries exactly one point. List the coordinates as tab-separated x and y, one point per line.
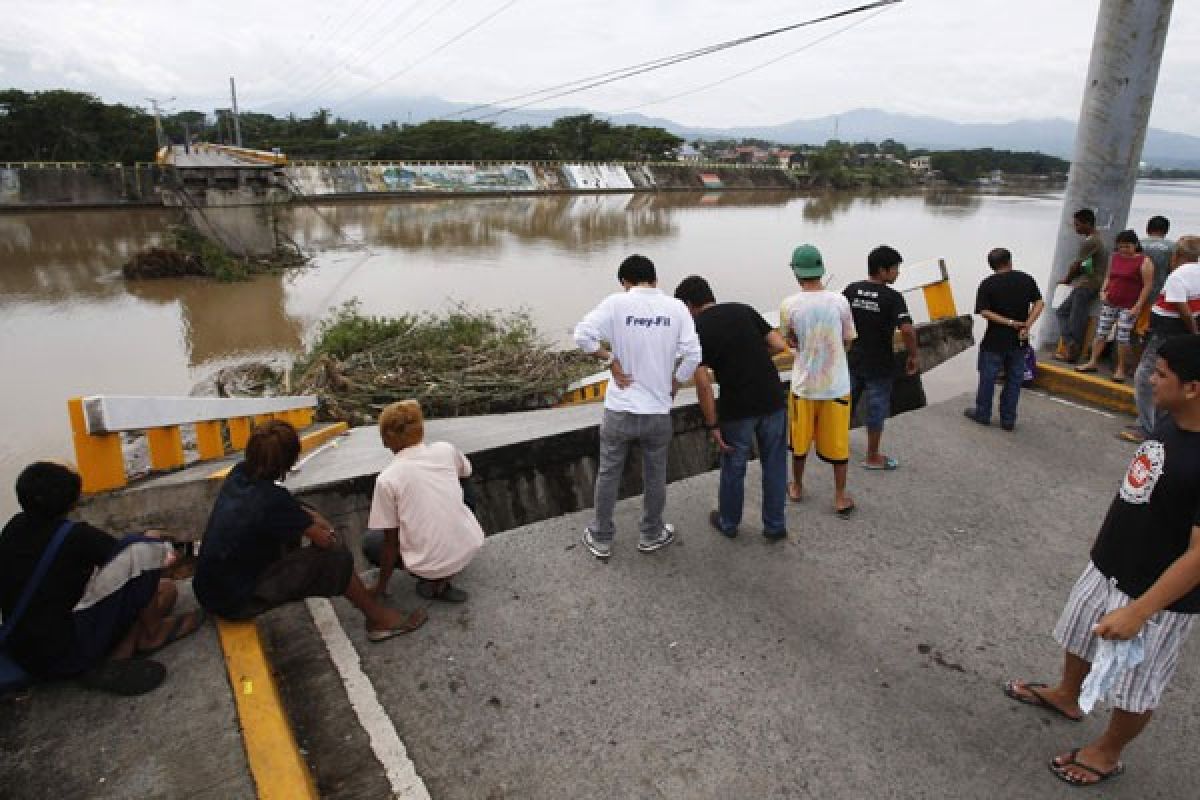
651	349
1175	313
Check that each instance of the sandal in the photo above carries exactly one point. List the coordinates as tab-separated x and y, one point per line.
1060	770
1034	697
182	626
1086	368
440	590
415	619
888	464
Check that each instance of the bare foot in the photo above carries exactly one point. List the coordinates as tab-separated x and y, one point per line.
795	492
171	630
390	622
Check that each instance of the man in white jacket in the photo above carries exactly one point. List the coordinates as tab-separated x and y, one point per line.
651	349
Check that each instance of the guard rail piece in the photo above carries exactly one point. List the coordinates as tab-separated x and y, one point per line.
98	421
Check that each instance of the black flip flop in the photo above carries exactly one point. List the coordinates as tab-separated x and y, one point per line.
179	630
1035	698
1059	771
845	513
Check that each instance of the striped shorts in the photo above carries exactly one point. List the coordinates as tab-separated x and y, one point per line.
1122	317
1139	689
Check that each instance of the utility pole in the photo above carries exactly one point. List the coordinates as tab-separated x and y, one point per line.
237	125
1117	98
159	134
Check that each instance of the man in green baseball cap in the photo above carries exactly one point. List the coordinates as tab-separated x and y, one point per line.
819	326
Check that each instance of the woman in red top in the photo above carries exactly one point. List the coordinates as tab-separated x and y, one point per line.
1125	292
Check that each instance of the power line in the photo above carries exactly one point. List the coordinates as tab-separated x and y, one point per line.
611	76
331	77
756	68
422	59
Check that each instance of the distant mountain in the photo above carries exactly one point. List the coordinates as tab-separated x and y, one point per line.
1056	137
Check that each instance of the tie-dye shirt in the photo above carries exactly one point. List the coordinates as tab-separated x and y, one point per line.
822	324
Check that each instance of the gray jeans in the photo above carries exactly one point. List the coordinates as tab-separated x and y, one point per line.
618	431
1073	315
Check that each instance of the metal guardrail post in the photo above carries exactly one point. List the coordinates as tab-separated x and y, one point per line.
99	459
939	298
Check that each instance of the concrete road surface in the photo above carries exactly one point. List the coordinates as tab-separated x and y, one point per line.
857	659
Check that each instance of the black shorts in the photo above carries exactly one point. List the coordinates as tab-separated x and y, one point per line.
304	572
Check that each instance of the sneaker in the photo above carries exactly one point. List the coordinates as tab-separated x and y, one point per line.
1008	426
775	536
665	537
714	519
599	549
969	413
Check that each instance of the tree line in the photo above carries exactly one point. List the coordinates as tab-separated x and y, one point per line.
60	125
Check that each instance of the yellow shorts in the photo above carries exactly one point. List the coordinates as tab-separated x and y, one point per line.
825	423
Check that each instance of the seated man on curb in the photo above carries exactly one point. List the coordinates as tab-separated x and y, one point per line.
251	560
418	505
99	602
1143	579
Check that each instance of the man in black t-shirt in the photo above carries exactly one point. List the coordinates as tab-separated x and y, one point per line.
1143	581
737	346
1010	302
878	311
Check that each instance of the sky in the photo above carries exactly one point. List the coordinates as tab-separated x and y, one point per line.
964	60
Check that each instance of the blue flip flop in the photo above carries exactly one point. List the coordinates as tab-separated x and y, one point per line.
888	464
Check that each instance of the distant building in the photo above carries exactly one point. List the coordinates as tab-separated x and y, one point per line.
920	163
689	155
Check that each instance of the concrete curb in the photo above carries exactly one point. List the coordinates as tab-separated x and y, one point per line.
278	768
1085	388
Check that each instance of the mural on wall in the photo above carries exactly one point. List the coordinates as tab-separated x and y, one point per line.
10	186
459	178
596	176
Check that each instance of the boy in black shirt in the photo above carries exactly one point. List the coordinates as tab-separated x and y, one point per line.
99	602
1010	302
1143	579
878	311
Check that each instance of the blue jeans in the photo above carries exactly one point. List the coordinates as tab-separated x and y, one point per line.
990	364
878	396
770	433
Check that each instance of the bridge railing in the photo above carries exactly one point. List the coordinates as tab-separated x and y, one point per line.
98	421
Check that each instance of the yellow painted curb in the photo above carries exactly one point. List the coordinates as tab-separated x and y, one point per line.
1085	388
275	762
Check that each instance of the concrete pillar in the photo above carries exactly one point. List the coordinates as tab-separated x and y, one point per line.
1122	75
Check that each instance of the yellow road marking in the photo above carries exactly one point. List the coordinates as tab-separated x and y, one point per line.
275	762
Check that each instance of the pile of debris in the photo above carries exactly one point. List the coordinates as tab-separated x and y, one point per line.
456	365
163	262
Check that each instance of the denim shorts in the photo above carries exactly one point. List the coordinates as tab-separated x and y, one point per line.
874	396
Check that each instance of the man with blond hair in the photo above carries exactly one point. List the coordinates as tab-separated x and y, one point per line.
1173	314
419	508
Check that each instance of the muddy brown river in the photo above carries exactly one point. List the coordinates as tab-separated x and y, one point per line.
71	325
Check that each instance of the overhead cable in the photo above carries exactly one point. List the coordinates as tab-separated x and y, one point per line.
755	68
422	59
612	76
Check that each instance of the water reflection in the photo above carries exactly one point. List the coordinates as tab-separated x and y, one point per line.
50	256
219	322
570	222
952	203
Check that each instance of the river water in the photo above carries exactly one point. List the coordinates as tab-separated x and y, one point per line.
71	325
